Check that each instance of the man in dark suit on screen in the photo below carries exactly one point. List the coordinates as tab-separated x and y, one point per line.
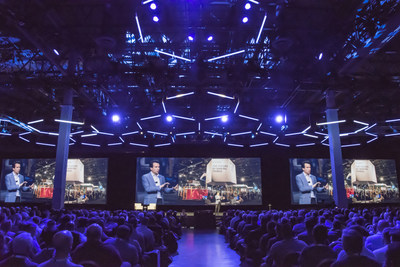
308	185
154	184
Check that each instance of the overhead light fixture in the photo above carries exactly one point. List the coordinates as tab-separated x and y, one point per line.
259	126
130	133
212	133
140	127
139	29
330	122
210	38
236	145
70	122
308	144
94	128
249	118
393	120
115	118
245	19
147	1
149	118
45	144
350	145
371	140
190	38
90	144
220	95
279	119
224	118
261	144
136	144
227	55
188	133
172	55
267	133
320	56
166	144
254	1
153	6
37	121
56	52
242	133
164	108
183	118
157	133
180	95
237	105
22	138
169	118
247	6
280	144
155	19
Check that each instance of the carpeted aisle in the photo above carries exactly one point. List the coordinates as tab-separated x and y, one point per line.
204	248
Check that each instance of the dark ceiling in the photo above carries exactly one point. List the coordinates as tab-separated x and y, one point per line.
118	60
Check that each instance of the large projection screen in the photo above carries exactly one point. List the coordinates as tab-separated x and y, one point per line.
86	180
365	180
196	181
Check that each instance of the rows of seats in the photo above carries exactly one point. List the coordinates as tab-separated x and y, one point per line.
31	236
315	238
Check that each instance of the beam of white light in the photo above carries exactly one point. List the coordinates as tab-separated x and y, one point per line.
261	144
308	144
173	140
212	133
241	133
130	133
33	129
267	133
371	134
350	145
138	26
149	118
237	105
373	125
188	133
122	140
393	134
78	132
114	144
344	134
324	134
71	144
37	121
157	133
254	1
24	133
172	55
163	105
147	1
259	126
70	122
90	144
276	139
54	134
88	135
94	128
361	129
226	55
325	144
306	129
166	144
280	144
220	95
140	127
183	118
180	95
104	133
310	135
26	140
45	144
371	140
224	139
330	122
360	122
297	133
136	144
72	139
261	28
236	145
249	118
214	118
393	120
7	134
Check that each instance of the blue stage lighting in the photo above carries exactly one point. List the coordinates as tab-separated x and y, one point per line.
116	118
224	118
279	118
245	19
153	6
247	6
210	38
169	118
155	19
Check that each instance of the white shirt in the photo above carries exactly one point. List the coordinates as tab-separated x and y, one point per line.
16	177
310	183
157	182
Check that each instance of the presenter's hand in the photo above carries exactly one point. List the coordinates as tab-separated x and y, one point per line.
316	184
164	184
176	187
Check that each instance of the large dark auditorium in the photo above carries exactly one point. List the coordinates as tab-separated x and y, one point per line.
156	133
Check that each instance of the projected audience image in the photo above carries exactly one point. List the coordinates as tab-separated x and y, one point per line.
199	181
365	181
32	180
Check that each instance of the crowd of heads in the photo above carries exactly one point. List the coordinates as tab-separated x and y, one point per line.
324	237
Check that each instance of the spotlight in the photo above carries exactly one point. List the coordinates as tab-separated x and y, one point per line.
279	118
224	118
190	38
56	52
245	19
155	19
153	6
169	118
247	6
210	38
320	56
115	118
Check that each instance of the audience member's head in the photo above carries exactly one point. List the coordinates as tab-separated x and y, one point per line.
320	234
22	244
352	241
62	241
94	233
393	255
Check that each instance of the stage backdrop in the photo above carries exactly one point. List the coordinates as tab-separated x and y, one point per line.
86	180
196	181
366	180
